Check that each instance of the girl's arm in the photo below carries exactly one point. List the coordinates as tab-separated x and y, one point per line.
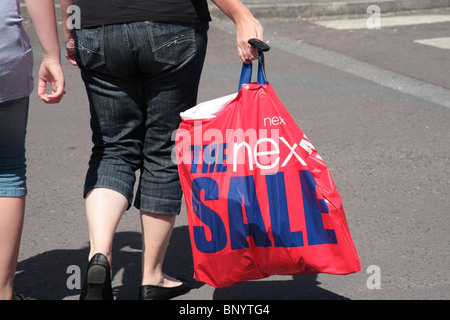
42	14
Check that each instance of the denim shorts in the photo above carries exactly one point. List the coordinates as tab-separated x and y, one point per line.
139	76
13	124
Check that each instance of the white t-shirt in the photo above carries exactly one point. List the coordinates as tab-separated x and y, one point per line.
16	57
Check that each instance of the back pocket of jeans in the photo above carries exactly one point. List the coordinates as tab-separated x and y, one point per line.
90	47
171	43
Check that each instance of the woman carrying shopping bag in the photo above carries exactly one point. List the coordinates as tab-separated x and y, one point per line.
141	63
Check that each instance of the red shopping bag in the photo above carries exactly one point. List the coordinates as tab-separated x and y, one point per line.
260	200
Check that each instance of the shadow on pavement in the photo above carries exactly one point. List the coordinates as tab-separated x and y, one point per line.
300	287
45	276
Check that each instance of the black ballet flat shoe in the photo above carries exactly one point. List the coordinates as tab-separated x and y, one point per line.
97	284
150	292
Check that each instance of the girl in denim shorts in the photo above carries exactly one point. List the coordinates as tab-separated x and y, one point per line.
16	84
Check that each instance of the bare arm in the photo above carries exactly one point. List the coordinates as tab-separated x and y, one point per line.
69	32
246	26
42	14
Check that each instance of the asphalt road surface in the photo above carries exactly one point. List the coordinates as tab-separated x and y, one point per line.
374	102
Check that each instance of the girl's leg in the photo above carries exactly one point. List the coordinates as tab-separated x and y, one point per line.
11	222
13	189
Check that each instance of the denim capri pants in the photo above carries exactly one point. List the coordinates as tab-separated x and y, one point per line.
139	76
13	123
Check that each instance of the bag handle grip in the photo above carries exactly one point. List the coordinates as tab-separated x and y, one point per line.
246	72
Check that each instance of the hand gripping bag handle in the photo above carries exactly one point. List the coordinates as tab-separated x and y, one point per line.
246	72
210	109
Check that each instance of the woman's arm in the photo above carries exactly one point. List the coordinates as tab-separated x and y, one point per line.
246	25
69	32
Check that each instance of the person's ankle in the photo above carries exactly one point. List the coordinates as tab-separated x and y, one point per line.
6	294
161	280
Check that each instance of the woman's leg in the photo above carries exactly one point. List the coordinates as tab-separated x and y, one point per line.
104	209
168	92
156	232
113	88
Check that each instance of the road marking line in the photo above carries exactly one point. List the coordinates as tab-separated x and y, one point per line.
339	61
361	23
442	43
